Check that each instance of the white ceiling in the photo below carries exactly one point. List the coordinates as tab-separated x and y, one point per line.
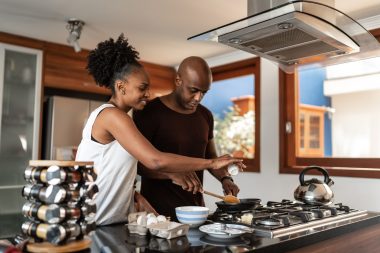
158	29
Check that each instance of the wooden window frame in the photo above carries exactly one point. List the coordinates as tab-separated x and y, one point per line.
293	164
241	68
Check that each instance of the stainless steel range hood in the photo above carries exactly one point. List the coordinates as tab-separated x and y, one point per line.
298	33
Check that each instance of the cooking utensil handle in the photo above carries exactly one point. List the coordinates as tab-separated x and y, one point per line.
313	167
213	194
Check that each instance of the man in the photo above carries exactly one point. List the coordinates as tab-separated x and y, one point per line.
177	123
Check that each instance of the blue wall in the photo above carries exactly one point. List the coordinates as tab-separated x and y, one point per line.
218	98
311	92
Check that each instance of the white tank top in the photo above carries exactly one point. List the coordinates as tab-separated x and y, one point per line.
116	170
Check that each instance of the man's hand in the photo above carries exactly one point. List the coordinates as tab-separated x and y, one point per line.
230	187
188	181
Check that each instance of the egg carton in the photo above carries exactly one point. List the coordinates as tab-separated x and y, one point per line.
168	229
141	222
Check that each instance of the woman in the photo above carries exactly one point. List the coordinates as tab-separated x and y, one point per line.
111	139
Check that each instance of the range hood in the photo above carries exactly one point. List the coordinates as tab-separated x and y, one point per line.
297	33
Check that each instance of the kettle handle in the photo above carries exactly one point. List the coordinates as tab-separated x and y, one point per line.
320	169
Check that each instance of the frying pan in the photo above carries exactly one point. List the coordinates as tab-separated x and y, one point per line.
245	204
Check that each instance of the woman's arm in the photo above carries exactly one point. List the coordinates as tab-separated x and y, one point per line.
113	123
189	181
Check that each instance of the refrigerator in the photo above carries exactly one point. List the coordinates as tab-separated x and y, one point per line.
64	120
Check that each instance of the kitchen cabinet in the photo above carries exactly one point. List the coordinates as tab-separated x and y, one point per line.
20	100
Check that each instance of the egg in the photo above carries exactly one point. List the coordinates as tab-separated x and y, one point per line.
152	220
161	218
142	220
150	215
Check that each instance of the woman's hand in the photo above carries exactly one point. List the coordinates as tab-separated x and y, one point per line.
225	160
189	181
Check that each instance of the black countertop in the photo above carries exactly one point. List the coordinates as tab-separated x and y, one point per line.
117	238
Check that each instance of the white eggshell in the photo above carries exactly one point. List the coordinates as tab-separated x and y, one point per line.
161	218
142	220
247	218
152	220
233	169
150	215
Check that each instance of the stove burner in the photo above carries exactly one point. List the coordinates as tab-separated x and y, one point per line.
305	216
224	217
285	219
319	213
269	222
283	203
342	207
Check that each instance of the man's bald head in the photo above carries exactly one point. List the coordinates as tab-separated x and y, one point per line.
195	67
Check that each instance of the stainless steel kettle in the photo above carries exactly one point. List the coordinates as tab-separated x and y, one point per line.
314	191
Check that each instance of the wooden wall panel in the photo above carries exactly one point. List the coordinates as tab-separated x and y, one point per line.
64	69
21	41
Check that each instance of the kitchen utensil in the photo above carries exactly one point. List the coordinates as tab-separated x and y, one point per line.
245	204
192	215
228	198
314	191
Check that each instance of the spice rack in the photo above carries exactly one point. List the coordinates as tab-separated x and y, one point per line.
60	205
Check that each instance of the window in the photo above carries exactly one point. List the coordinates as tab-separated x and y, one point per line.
332	122
311	131
234	100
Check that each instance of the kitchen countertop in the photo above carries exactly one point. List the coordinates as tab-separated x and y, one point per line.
360	236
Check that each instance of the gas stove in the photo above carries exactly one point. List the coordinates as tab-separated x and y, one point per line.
290	218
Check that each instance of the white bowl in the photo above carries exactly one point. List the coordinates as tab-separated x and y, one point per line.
192	215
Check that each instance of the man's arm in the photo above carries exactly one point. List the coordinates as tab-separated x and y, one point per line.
222	175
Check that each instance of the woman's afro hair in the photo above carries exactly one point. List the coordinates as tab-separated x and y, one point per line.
109	59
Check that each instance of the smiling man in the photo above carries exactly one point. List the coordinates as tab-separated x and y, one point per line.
179	124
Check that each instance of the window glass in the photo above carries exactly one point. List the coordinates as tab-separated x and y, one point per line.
232	103
338	111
